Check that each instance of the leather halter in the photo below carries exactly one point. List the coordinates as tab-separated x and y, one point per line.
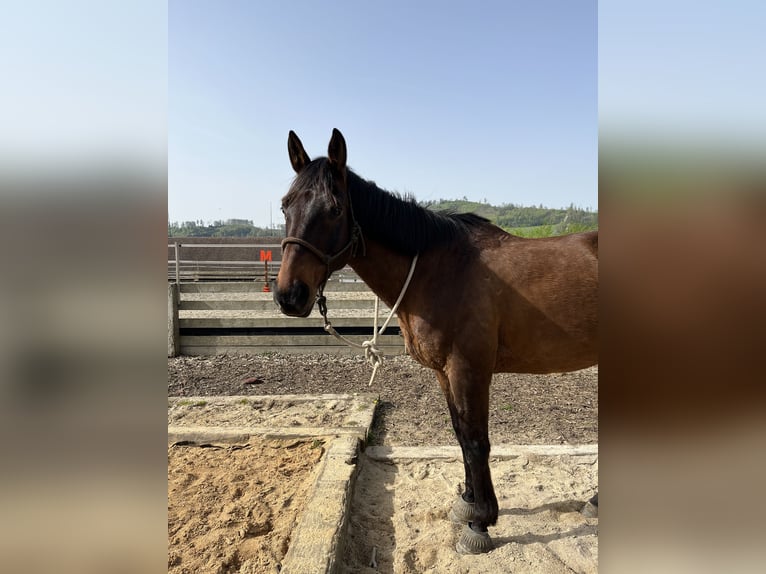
328	260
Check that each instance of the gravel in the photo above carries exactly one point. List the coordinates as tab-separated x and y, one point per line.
524	409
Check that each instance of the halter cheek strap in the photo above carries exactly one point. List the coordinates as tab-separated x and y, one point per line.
328	260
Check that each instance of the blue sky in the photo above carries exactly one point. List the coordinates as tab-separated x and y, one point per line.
491	100
83	79
690	71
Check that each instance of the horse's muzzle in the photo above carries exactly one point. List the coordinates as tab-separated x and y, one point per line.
294	301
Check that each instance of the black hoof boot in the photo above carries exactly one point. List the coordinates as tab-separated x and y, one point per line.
472	542
462	512
590	510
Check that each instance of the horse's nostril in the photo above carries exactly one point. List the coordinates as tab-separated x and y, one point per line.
294	299
301	292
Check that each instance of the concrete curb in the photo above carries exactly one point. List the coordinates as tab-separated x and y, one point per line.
318	540
303	398
239	434
500	452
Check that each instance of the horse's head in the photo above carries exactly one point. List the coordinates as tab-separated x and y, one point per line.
321	230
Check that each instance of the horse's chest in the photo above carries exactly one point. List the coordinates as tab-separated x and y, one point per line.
423	345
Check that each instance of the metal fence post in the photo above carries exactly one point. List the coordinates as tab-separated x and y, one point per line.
174	339
178	280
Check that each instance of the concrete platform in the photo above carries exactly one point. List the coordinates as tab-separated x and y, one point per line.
235	418
500	452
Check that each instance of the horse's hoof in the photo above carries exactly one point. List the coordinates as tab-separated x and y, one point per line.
462	512
471	542
590	510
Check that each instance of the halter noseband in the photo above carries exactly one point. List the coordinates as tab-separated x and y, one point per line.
328	260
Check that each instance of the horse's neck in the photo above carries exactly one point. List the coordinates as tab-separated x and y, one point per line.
383	270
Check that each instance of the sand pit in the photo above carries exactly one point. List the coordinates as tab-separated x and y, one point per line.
232	508
400	509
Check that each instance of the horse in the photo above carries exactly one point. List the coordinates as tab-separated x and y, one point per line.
480	300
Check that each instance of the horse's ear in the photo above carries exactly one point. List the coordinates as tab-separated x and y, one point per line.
298	156
336	151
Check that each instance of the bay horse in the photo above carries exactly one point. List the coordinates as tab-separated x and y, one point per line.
480	301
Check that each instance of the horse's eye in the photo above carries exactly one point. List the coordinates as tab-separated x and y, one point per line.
336	210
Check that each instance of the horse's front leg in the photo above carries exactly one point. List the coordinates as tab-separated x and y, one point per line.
469	394
462	511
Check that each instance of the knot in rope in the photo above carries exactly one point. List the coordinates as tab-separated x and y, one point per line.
372	353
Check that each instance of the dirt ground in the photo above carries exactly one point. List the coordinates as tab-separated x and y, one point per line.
232	508
524	409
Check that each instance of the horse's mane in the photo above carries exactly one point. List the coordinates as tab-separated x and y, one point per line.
388	217
316	175
400	223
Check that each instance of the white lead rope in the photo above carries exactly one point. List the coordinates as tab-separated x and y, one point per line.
372	353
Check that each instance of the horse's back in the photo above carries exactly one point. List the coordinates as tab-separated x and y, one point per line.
590	238
545	292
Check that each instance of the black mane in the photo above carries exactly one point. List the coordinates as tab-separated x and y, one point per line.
316	175
400	223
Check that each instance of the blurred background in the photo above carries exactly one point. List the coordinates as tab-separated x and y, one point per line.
682	182
83	210
82	218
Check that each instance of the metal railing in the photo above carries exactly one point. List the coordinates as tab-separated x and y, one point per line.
218	269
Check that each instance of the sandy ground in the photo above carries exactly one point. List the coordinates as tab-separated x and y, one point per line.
232	508
401	510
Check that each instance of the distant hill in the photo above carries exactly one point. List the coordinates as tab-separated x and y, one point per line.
227	228
525	221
